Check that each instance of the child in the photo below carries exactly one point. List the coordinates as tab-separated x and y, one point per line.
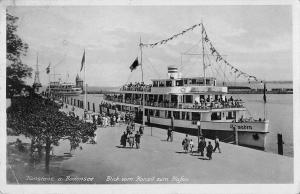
191	145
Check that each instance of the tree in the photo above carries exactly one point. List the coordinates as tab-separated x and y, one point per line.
40	120
16	70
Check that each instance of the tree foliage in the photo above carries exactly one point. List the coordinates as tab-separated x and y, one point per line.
16	70
40	120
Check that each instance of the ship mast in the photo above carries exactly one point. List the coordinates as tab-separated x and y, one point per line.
203	53
85	108
143	101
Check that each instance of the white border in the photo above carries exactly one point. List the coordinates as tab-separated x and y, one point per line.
188	188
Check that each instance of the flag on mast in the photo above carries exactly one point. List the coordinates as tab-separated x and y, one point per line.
265	98
48	69
134	64
83	60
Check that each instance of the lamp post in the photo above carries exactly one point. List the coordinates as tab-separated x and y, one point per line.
199	128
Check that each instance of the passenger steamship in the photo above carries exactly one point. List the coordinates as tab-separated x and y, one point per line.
65	88
190	100
191	105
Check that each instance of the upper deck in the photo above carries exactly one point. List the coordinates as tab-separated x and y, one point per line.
177	86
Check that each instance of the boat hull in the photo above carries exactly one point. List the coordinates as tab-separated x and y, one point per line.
250	134
73	93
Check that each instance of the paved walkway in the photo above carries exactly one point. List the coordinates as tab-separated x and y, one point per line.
166	162
159	161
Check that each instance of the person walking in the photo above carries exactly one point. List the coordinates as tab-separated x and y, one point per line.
131	139
137	139
186	143
123	139
128	129
202	145
209	150
169	133
191	146
132	126
217	144
141	130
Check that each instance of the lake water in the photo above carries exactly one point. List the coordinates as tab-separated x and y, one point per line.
279	111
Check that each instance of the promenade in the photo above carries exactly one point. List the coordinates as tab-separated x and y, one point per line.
159	161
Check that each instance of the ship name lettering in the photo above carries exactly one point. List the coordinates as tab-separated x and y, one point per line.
248	127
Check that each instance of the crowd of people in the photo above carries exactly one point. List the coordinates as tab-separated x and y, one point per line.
129	137
188	145
218	103
137	86
198	104
132	136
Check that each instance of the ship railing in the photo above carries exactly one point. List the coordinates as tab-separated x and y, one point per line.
201	106
138	88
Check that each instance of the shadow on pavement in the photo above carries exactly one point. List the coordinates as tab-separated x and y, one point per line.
182	152
203	158
125	147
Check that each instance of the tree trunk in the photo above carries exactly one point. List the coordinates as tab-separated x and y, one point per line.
31	149
47	150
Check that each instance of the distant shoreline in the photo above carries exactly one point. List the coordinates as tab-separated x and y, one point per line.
269	92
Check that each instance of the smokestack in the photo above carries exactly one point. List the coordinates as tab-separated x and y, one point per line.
173	72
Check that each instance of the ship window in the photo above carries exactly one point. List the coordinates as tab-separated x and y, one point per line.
188	99
160	98
195	116
185	81
157	113
169	114
216	97
155	84
231	115
183	115
176	114
169	83
150	112
193	81
207	81
200	81
174	98
161	84
179	82
216	116
188	116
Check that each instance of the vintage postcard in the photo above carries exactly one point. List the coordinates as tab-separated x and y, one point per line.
143	97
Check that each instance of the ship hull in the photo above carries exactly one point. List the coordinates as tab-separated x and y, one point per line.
62	93
250	134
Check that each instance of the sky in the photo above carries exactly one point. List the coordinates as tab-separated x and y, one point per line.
256	39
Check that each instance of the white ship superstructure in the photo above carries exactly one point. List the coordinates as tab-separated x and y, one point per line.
189	100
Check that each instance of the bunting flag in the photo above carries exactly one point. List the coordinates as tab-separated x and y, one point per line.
48	69
215	53
171	38
83	60
134	64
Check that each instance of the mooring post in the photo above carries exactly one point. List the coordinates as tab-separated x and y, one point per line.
280	144
236	135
